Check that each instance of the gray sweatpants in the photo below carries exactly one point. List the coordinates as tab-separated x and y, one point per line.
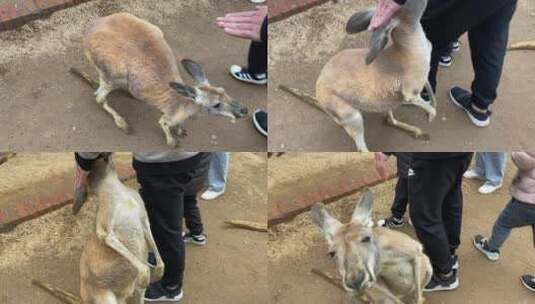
516	214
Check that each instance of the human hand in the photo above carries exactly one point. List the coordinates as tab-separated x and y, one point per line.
246	25
380	164
383	13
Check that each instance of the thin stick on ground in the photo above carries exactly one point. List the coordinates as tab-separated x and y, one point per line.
522	45
62	295
248	225
84	76
311	100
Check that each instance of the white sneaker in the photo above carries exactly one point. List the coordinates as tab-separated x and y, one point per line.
488	188
257	1
210	195
472	174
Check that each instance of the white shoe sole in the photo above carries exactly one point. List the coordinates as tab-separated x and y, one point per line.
475	121
494	189
444	64
163	299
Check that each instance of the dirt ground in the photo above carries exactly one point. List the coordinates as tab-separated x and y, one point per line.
297	246
231	268
302	44
45	108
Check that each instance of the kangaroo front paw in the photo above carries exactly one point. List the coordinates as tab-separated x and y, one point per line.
172	142
123	125
157	273
431	115
144	277
421	136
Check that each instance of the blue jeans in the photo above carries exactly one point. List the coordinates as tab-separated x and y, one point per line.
217	174
516	214
491	165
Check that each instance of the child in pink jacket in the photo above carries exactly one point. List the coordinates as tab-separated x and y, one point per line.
519	212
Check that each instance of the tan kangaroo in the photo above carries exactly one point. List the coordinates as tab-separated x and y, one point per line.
131	54
113	266
369	256
380	78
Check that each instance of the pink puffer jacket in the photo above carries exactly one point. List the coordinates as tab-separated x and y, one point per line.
523	185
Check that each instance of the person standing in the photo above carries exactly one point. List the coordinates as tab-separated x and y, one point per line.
217	176
165	179
401	198
487	23
435	193
519	212
490	167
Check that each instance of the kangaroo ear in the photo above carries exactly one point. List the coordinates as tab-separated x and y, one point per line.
360	21
195	70
379	40
184	90
363	211
325	222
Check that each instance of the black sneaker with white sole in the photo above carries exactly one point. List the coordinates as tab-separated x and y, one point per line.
528	281
463	99
391	222
260	121
197	239
481	244
244	75
445	61
442	282
156	292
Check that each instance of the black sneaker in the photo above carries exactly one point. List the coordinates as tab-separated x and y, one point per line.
528	281
441	282
197	239
456	46
463	99
260	121
243	75
445	61
390	222
156	292
482	245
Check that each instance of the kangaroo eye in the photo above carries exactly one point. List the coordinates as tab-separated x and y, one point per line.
332	254
217	106
366	239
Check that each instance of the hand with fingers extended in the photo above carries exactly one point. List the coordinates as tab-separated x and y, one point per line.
383	13
246	25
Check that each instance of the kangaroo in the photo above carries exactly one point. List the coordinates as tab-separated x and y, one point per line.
113	266
367	255
380	78
132	54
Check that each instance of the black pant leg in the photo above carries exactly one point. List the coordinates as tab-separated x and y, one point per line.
428	187
488	45
164	200
192	215
452	209
399	206
258	52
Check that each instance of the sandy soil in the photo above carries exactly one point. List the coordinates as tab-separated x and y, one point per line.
297	246
302	44
45	108
231	268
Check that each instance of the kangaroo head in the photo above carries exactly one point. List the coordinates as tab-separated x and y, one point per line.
352	244
212	100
